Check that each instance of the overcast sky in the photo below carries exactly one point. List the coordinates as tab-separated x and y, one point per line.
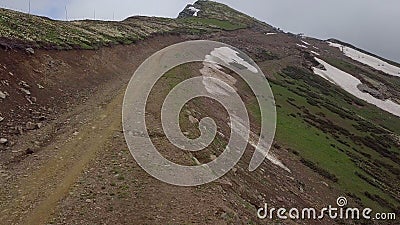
369	24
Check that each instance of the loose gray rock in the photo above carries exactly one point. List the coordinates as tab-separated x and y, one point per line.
24	84
19	130
5	82
30	51
371	91
3	141
29	151
213	157
27	92
1	119
30	126
224	216
193	119
29	100
2	95
33	99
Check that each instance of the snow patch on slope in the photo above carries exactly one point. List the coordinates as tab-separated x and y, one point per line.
349	83
212	70
2	95
315	53
229	56
270	156
238	127
303	46
366	59
194	10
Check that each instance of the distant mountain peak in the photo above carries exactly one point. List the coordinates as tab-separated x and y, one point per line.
215	10
190	11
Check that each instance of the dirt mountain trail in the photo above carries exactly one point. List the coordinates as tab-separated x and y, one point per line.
60	172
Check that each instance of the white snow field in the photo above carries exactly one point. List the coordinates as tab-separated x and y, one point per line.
349	83
366	59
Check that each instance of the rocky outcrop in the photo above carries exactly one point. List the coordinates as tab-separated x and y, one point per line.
190	11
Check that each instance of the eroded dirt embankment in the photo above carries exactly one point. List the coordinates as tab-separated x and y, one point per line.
41	86
59	110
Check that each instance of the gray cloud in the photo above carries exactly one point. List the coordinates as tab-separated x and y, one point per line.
369	24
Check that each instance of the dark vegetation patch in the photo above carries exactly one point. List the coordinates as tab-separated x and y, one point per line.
265	55
382	201
319	170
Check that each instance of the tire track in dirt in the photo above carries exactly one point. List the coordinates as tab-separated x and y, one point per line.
45	187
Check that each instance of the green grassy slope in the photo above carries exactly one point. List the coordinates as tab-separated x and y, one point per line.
91	34
340	137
